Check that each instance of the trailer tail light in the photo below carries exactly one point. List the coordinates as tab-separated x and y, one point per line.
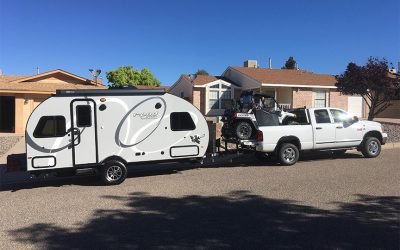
260	135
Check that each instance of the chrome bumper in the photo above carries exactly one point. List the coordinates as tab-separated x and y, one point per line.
384	138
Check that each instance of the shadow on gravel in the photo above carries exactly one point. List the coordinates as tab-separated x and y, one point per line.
167	169
238	220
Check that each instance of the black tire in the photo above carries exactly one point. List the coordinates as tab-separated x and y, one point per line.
113	172
288	154
371	147
243	130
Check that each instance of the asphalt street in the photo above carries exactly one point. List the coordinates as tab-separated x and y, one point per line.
320	203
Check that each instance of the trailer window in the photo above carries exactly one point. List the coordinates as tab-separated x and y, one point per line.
50	126
84	116
322	116
181	121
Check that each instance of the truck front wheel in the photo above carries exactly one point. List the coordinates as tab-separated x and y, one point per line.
288	154
371	147
113	172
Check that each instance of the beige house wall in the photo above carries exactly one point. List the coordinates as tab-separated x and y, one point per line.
284	95
24	105
337	100
182	87
302	97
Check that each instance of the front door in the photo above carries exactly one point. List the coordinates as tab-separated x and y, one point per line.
348	132
324	135
83	132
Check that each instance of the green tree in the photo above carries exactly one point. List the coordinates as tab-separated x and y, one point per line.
372	81
128	76
202	72
290	63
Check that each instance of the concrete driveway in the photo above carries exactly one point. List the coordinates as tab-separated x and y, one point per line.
320	202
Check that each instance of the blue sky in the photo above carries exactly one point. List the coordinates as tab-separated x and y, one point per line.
175	37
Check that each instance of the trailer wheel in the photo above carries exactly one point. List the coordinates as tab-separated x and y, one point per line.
113	172
243	130
288	154
371	147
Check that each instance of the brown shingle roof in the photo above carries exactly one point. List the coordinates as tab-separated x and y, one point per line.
203	79
47	82
10	78
287	76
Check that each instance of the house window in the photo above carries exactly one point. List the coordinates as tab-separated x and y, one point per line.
320	99
181	121
50	126
219	96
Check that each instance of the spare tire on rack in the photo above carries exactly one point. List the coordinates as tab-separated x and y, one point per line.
243	130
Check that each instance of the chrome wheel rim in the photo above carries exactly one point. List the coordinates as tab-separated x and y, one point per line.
373	147
114	173
289	154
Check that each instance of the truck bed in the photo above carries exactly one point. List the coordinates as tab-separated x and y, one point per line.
272	135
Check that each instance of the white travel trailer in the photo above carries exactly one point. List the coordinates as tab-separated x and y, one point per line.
107	129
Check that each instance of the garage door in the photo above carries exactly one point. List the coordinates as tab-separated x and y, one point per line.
355	106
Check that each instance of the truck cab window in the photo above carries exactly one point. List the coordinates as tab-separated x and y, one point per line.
339	115
182	121
84	116
322	116
50	126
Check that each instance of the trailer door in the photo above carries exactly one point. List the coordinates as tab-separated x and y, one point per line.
84	132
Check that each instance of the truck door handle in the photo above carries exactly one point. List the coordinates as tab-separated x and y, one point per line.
339	127
318	128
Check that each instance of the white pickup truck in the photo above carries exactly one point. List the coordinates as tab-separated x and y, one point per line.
320	129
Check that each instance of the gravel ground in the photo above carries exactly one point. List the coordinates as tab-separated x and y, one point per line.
320	203
7	142
393	132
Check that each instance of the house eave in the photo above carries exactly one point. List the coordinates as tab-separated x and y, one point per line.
298	86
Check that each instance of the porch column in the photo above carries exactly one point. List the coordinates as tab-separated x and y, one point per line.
19	114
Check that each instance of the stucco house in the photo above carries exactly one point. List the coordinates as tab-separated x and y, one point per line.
291	88
19	95
210	94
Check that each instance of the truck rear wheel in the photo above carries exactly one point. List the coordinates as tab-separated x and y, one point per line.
371	147
288	154
113	172
243	130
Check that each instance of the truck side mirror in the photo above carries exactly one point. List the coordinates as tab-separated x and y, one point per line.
355	119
